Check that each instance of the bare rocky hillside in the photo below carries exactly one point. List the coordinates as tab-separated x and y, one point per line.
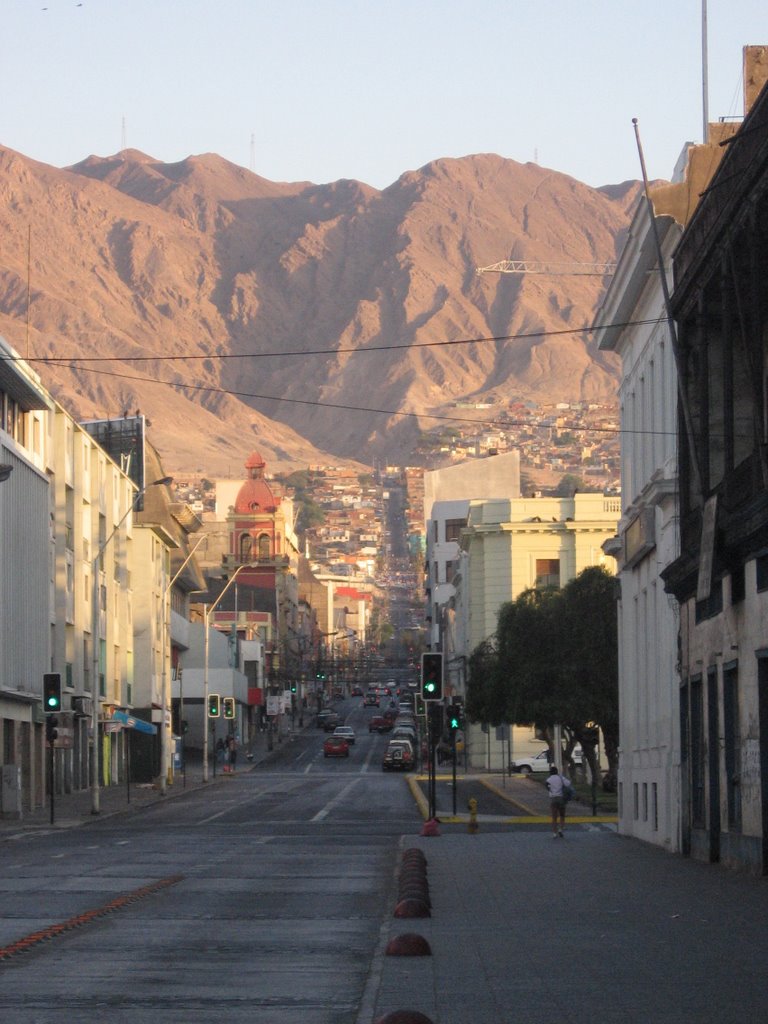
235	311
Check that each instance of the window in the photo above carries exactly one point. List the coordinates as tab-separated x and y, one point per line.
698	754
738	587
732	730
264	546
761	572
453	528
713	605
246	543
547	573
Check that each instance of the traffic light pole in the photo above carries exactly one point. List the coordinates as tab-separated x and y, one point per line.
51	776
453	762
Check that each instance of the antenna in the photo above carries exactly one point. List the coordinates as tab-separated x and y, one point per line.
704	72
123	138
253	152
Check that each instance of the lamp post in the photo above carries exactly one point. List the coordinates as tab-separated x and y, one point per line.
207	611
95	640
164	761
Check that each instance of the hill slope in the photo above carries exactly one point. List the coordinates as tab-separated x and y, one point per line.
236	311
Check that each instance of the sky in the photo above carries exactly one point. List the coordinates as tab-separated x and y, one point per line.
318	90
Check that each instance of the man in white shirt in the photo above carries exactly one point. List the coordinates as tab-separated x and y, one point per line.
557	784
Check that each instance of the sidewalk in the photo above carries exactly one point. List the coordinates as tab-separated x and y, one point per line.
72	809
593	927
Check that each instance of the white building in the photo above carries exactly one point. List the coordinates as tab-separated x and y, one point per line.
510	546
26	570
633	322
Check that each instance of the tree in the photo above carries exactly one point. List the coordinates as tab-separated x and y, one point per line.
556	662
482	685
569	484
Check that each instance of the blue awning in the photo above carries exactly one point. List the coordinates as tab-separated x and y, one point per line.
131	722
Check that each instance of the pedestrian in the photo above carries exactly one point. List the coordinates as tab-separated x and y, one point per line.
220	752
232	751
559	790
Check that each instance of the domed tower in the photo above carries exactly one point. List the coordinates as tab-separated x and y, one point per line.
255	533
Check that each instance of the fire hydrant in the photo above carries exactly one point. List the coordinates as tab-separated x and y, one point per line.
472	804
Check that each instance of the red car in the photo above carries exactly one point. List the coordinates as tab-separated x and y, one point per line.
336	746
379	723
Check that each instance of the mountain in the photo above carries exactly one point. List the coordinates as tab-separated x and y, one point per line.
238	312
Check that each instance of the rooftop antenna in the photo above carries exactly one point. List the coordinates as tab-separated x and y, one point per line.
253	152
704	72
29	279
123	139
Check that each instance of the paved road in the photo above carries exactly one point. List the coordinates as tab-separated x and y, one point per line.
269	897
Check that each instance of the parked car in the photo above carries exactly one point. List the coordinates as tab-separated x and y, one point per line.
399	756
379	723
539	762
336	746
346	731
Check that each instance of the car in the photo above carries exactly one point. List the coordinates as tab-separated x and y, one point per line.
527	765
336	746
379	723
346	731
330	722
404	732
371	699
399	756
357	691
539	762
321	717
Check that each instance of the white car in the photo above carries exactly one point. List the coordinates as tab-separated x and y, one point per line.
346	731
539	762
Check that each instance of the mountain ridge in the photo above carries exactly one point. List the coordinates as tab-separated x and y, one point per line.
314	297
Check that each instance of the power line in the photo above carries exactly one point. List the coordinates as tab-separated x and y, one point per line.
499	423
407	346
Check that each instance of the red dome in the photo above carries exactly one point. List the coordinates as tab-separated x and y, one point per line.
255	495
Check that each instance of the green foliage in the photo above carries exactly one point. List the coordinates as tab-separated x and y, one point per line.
569	484
553	660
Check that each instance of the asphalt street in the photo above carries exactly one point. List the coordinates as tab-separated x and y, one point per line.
271	896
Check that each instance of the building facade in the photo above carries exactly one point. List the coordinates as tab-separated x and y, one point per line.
720	578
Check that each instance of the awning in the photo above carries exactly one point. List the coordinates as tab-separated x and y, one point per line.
133	723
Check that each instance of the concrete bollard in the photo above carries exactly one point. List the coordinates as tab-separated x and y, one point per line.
408	944
404	1017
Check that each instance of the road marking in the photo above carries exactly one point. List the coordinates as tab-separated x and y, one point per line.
332	803
53	930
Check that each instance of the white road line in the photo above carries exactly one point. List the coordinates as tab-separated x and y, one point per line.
332	803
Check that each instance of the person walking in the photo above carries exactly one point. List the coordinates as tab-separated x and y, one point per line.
559	789
232	751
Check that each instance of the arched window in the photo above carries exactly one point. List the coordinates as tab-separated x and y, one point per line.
264	551
246	544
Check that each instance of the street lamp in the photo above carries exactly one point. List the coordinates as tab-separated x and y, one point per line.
207	612
95	782
164	765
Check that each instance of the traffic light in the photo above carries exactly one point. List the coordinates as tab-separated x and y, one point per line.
293	687
51	692
229	707
432	677
214	705
51	732
454	717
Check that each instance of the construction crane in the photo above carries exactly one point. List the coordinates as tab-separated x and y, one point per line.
532	267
